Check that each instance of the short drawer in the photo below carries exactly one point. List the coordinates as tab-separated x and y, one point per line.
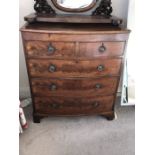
73	68
74	87
47	49
73	106
98	49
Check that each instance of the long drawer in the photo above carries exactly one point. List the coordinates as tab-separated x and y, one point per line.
74	87
73	68
89	36
73	106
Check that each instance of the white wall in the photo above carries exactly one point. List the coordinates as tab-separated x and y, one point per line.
120	9
131	59
25	8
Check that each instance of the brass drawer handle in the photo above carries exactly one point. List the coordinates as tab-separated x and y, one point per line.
55	106
100	68
51	49
102	48
53	87
98	86
95	104
52	68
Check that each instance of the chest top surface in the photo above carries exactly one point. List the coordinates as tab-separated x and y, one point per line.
73	28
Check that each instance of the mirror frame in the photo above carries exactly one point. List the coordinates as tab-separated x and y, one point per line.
104	8
90	6
101	13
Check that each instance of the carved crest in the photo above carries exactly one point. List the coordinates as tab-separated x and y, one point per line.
42	7
104	9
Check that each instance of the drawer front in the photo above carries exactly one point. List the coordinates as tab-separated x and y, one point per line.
50	49
74	36
99	49
73	68
74	87
73	106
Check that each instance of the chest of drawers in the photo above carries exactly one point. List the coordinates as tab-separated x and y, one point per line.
73	70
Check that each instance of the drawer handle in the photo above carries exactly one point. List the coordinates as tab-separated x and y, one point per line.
51	49
102	48
52	68
53	87
55	106
98	86
95	104
100	68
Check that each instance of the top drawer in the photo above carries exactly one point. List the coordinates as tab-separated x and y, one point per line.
74	36
49	49
98	49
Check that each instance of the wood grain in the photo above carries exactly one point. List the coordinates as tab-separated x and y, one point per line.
71	68
92	49
73	106
79	37
40	49
74	87
75	79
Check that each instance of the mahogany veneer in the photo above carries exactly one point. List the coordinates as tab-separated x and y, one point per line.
73	69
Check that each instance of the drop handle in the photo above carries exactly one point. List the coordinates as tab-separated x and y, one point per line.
100	68
98	86
55	106
51	49
95	104
52	68
53	87
102	48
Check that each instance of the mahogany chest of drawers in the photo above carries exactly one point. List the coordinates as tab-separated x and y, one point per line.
73	69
